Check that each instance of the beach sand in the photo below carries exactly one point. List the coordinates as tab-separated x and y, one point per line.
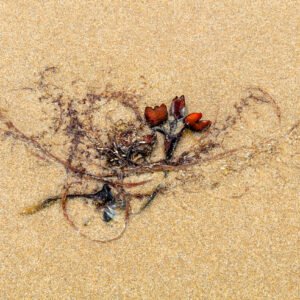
226	229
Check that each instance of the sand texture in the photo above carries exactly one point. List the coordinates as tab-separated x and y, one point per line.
226	228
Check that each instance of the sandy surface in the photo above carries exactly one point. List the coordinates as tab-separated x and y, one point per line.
227	229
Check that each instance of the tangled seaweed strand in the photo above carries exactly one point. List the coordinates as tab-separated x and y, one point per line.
126	148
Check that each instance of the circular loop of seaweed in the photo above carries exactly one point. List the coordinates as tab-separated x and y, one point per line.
71	222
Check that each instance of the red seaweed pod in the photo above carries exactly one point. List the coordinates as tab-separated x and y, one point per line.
157	115
192	118
178	107
193	121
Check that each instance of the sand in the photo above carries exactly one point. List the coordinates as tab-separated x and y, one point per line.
228	229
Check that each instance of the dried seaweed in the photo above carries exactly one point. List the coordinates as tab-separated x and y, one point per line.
110	153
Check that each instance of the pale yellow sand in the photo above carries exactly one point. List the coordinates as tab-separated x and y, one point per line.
237	235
